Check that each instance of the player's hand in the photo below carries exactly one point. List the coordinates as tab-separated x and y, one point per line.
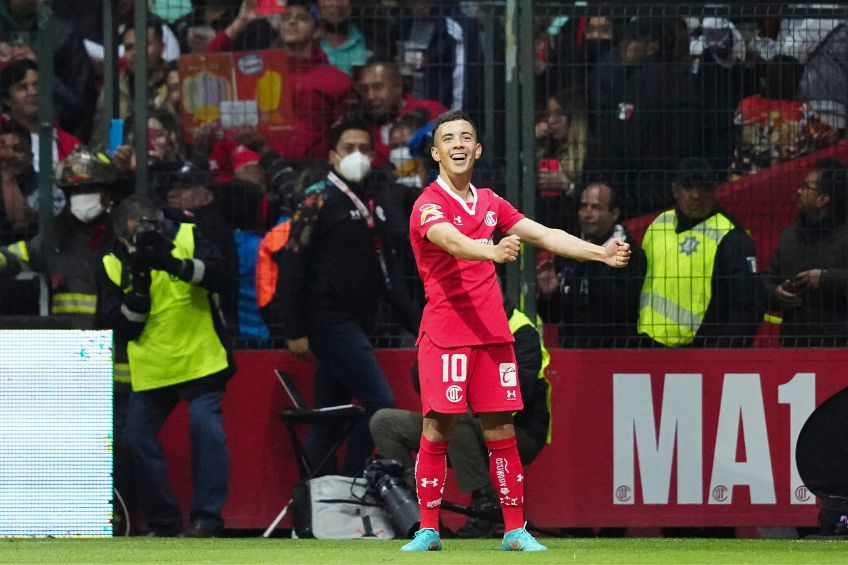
506	251
617	253
299	348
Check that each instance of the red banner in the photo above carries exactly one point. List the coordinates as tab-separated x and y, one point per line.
640	438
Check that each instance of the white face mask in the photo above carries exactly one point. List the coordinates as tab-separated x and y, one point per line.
87	207
355	166
400	155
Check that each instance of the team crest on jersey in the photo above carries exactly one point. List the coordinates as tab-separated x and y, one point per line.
430	212
490	219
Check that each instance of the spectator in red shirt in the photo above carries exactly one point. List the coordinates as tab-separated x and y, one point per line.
319	91
383	102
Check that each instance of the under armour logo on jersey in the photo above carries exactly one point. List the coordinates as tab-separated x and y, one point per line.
429	483
457	220
519	478
511	395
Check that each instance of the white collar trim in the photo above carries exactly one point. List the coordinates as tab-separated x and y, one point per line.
453	195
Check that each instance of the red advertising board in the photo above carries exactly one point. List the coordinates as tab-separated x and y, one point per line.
640	438
240	88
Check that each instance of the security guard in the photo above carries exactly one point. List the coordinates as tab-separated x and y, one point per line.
701	287
156	289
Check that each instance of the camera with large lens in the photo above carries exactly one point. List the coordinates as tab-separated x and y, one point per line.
385	479
147	237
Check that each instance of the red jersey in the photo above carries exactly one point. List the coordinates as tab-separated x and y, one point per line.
464	300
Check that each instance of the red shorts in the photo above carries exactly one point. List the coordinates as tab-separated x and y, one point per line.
483	377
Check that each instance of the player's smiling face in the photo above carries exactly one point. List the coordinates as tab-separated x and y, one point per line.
455	147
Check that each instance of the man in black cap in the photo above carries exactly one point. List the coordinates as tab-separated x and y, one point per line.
701	287
189	195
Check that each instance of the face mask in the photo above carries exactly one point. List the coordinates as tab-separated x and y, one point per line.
86	207
399	156
355	166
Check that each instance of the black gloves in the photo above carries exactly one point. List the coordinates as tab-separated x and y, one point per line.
154	252
140	279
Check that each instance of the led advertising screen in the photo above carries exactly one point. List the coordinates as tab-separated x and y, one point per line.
55	433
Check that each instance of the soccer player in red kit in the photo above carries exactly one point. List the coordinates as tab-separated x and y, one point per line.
465	354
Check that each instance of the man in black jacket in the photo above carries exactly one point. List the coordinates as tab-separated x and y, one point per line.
807	278
338	261
594	304
701	286
397	432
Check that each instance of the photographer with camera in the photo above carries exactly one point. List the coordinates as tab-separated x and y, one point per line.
397	432
156	290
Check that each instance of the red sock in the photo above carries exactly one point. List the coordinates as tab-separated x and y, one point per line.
508	479
431	467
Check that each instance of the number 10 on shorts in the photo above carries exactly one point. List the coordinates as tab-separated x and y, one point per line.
454	367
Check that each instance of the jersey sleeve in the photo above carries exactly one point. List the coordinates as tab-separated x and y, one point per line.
426	213
508	216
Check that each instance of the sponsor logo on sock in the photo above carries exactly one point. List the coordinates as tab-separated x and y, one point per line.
501	470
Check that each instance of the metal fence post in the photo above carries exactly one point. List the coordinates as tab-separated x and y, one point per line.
45	114
527	77
512	132
110	67
142	182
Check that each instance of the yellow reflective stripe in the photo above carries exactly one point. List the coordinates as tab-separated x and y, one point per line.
772	319
113	268
121	373
20	249
74	303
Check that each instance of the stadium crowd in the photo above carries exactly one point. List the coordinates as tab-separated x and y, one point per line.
639	120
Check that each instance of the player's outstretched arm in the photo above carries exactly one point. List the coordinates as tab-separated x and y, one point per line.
616	253
459	245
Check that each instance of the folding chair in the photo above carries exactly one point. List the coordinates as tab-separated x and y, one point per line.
302	414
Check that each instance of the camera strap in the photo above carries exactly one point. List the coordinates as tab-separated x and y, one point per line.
367	214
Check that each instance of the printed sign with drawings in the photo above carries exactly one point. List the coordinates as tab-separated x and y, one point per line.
234	89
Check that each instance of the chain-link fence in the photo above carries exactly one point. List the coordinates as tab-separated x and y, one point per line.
594	119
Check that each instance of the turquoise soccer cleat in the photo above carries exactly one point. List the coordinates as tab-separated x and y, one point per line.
520	539
426	539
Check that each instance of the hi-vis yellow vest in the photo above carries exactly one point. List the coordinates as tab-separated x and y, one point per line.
179	342
518	320
678	285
